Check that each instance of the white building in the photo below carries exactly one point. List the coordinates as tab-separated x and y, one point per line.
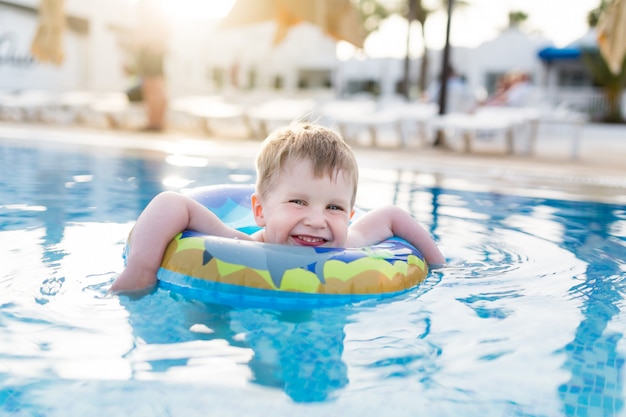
480	66
205	60
92	57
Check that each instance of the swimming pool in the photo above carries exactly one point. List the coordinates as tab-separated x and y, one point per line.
528	319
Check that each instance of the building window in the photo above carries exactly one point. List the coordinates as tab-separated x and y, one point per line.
314	78
573	77
363	86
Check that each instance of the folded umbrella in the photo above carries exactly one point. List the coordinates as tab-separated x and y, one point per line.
47	46
336	18
611	30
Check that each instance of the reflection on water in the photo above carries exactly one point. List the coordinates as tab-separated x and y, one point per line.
527	320
592	357
297	352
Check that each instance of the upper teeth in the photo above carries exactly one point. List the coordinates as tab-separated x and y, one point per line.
310	239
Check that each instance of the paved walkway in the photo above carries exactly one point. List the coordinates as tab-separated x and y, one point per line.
600	169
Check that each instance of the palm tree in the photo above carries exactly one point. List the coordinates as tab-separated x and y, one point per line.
414	10
516	18
372	13
612	84
594	15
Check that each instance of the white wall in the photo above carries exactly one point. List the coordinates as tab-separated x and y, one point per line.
102	57
95	61
305	46
91	60
17	68
512	50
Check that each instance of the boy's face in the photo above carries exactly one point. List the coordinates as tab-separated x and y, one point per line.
305	210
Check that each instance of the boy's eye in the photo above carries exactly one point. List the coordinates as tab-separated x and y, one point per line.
335	207
299	202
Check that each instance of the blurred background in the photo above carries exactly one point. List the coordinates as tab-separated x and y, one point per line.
76	54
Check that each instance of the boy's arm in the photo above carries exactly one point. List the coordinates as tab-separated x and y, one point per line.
168	214
383	223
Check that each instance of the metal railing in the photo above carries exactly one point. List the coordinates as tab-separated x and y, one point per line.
591	101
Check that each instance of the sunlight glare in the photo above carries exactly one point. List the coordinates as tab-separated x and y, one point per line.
198	9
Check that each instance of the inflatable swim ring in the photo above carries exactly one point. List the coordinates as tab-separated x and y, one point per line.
235	272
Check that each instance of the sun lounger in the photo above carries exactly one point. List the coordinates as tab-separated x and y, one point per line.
27	105
515	124
352	117
117	110
271	114
573	120
208	112
472	127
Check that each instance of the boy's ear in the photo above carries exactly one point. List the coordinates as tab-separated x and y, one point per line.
257	210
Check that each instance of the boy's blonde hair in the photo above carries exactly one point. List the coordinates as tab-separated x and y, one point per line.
326	149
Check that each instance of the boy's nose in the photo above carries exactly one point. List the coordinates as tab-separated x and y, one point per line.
315	218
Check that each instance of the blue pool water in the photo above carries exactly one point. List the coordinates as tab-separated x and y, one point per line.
528	319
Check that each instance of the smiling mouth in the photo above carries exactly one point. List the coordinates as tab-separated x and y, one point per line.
309	240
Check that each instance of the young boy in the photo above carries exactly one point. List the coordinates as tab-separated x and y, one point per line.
305	192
